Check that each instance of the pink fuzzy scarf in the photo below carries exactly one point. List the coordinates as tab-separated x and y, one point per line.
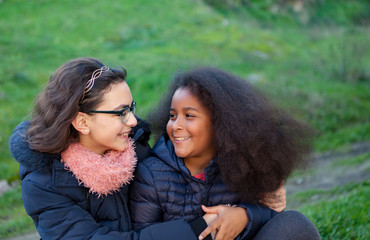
103	174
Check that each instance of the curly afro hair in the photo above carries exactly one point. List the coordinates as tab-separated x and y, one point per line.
257	145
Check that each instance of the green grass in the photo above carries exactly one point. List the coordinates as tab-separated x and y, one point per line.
315	196
13	218
342	213
318	69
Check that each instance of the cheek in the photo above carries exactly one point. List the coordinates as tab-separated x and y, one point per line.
169	128
110	127
207	134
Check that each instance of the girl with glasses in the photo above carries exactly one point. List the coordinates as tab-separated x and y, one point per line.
221	142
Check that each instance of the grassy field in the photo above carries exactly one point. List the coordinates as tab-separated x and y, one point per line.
314	61
330	216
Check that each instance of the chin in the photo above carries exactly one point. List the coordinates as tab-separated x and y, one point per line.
181	154
121	148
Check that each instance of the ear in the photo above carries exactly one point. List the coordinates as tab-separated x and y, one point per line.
80	123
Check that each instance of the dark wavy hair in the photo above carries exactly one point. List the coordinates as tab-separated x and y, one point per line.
62	98
257	145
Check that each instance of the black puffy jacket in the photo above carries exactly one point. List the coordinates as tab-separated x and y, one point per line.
61	208
164	190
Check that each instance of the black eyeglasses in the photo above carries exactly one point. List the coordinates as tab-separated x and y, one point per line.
124	113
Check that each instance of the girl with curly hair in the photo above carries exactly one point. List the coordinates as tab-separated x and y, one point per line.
221	142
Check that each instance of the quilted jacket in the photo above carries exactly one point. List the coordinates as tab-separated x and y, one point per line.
164	190
61	208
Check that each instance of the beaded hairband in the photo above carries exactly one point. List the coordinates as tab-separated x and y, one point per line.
96	74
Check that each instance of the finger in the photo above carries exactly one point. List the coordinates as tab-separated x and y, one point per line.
223	234
214	209
220	235
212	227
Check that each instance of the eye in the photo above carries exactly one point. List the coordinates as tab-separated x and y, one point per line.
124	113
188	115
172	116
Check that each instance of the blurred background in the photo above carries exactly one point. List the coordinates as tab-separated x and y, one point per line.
311	56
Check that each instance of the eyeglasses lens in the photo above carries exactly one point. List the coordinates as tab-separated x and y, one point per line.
126	114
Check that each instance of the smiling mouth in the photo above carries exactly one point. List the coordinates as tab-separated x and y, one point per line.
123	134
181	138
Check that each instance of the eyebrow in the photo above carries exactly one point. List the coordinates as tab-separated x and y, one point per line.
186	108
122	106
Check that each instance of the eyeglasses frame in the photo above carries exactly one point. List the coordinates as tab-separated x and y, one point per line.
131	109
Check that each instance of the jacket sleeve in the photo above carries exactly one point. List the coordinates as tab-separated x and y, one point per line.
56	216
145	208
258	216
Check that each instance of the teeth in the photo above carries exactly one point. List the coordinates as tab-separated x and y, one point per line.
180	139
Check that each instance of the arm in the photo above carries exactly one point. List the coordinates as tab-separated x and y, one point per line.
251	218
144	206
58	217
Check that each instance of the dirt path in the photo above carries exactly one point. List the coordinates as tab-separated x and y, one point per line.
323	174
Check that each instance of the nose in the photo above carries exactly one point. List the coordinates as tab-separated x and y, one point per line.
132	121
177	124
